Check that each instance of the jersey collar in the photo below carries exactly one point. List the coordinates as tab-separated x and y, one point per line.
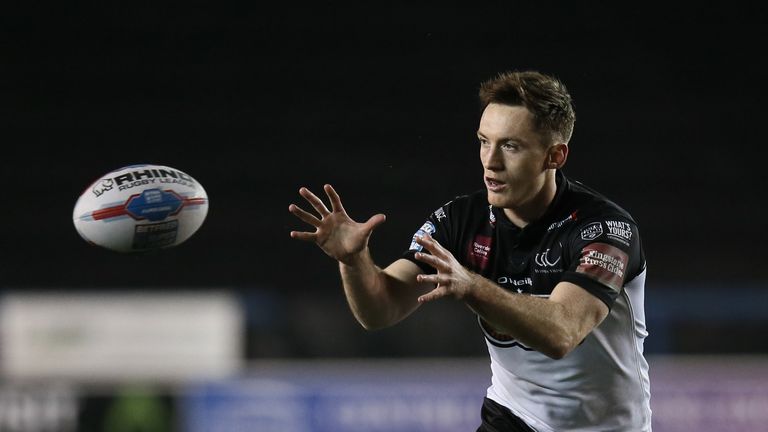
550	215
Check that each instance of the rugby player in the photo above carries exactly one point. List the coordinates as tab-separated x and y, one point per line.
554	271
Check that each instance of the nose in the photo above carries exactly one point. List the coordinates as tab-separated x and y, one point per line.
491	158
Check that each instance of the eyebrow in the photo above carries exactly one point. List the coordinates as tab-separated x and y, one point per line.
504	139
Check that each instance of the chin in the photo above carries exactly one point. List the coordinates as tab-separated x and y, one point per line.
497	200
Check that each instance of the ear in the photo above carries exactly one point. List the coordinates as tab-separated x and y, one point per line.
556	156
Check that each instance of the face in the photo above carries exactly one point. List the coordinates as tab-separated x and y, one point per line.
514	157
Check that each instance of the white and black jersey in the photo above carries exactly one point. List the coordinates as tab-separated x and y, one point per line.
585	239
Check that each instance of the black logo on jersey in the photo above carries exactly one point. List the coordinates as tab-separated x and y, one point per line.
592	231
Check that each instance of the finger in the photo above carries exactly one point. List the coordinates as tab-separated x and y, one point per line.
375	221
316	202
432	260
431	245
435	278
303	215
305	236
334	197
439	292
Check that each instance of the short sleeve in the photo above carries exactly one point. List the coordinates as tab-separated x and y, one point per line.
604	255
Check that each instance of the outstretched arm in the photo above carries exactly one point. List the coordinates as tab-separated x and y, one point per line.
552	326
378	297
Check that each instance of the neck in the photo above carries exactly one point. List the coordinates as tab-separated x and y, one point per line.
537	205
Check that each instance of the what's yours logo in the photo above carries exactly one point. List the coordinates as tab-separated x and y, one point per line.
619	231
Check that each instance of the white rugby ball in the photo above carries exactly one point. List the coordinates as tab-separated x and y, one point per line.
140	208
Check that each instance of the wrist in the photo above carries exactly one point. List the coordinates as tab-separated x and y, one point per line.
475	287
355	259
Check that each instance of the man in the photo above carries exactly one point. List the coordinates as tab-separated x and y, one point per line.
554	271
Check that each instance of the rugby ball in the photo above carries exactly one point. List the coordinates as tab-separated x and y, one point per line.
140	207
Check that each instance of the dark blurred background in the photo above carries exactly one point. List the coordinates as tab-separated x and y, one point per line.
256	100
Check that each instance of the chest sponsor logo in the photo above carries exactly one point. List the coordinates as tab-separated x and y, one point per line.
570	218
427	228
620	231
592	231
479	252
518	284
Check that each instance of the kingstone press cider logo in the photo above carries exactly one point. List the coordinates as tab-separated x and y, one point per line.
605	263
139	177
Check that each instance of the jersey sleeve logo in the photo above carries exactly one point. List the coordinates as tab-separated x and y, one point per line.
619	231
604	263
427	228
440	214
592	231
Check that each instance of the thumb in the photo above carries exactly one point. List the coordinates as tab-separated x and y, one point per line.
375	221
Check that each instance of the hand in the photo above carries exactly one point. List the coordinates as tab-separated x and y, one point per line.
335	232
452	279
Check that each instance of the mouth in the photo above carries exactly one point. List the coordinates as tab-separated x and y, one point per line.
494	185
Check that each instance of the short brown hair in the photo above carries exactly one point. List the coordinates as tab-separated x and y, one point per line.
545	97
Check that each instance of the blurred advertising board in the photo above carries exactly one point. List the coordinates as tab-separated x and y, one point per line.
390	396
709	393
61	407
116	336
689	393
703	394
49	407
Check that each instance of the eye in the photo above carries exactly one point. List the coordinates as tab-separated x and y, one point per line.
510	146
483	142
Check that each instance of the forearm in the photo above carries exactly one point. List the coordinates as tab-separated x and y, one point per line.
536	322
372	294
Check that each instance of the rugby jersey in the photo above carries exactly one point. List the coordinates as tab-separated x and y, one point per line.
583	238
